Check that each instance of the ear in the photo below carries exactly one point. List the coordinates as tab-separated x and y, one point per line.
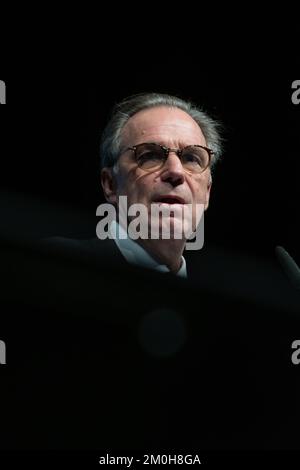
109	185
207	196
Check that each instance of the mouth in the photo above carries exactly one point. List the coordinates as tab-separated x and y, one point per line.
169	199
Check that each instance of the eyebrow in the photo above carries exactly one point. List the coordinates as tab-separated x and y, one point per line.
181	145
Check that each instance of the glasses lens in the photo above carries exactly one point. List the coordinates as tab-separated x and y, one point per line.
149	156
195	158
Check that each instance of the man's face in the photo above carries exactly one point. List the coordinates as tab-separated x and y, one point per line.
172	128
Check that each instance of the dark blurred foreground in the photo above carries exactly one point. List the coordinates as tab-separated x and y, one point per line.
107	357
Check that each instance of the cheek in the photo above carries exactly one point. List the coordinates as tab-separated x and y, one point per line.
136	192
202	196
125	185
198	195
137	187
142	188
200	192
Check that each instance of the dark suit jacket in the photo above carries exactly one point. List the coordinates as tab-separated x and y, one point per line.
212	268
79	319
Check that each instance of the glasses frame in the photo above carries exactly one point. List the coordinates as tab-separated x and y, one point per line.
167	150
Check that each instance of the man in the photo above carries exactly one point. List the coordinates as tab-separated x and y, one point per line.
140	352
158	149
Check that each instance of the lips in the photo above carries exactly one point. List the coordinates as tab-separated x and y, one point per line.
169	199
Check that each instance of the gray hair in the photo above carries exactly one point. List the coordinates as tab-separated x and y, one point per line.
110	146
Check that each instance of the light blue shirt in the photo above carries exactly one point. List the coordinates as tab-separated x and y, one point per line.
136	254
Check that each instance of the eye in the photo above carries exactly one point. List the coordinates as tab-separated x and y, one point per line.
195	158
150	155
191	158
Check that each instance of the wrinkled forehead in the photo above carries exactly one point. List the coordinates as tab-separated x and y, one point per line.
171	126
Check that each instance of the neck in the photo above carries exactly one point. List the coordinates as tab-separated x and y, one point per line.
168	252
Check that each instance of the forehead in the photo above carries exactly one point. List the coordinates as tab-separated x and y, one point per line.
163	125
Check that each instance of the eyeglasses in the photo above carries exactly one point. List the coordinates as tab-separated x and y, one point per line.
152	156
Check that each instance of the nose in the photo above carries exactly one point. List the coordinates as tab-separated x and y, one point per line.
173	171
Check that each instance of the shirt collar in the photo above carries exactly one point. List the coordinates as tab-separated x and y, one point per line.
136	254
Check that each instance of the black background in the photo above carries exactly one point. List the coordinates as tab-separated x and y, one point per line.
59	95
58	105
